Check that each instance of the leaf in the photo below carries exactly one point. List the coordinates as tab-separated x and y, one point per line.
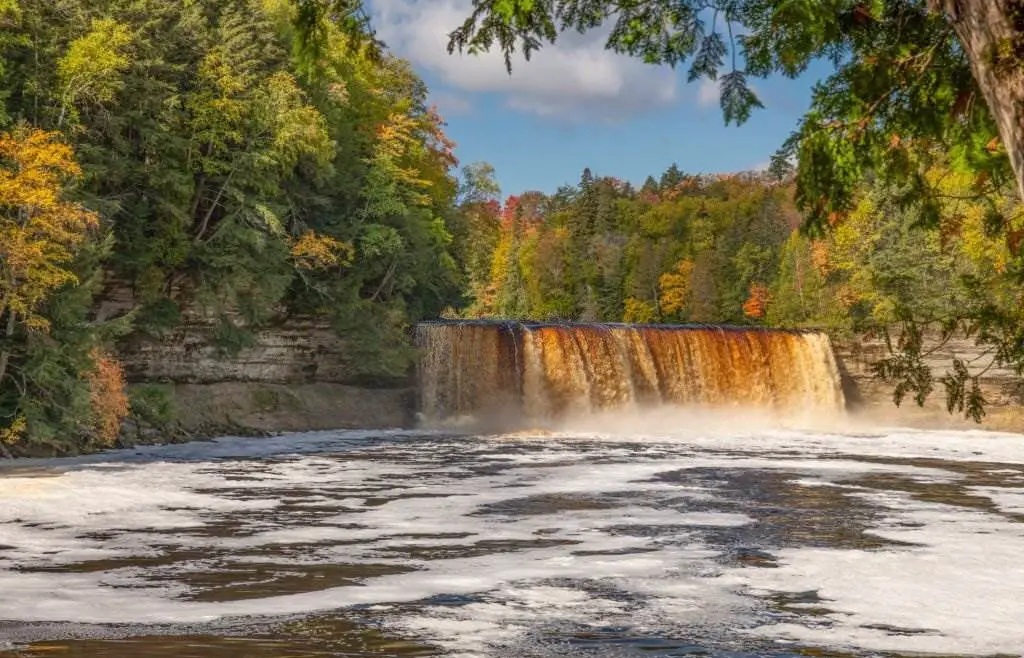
708	59
738	99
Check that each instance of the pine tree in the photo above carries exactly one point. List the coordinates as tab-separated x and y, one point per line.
673	176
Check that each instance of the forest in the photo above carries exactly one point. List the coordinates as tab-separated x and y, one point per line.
250	161
210	158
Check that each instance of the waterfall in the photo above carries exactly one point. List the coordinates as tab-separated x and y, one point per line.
544	371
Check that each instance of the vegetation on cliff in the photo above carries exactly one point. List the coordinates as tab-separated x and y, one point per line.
239	160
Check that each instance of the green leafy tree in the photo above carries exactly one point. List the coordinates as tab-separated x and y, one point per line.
91	69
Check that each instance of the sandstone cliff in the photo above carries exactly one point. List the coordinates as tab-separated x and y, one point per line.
295	377
1003	390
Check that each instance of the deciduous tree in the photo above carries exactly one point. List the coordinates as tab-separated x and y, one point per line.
40	231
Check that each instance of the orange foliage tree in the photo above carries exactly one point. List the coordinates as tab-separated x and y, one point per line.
107	397
757	301
40	231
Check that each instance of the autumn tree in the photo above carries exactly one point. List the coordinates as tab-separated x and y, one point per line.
107	396
674	289
48	266
476	226
40	231
757	301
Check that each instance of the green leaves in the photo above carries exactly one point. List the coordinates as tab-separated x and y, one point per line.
314	22
708	59
738	99
963	392
508	24
657	32
9	12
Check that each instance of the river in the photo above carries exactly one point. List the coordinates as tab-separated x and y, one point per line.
723	539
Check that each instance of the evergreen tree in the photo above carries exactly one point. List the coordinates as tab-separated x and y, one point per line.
673	176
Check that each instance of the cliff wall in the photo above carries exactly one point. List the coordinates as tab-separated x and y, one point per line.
1003	390
296	377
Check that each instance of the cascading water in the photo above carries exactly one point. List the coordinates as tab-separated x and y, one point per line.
544	371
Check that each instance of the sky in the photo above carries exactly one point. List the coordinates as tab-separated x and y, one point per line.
576	105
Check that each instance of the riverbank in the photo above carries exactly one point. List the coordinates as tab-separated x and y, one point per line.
203	411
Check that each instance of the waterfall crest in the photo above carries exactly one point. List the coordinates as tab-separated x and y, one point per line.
543	371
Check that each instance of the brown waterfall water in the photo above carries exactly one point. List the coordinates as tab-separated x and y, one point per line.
549	371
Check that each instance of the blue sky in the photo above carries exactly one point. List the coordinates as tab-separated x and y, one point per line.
576	105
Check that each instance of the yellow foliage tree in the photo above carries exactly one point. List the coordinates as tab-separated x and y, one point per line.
92	67
820	257
637	310
674	288
39	231
313	251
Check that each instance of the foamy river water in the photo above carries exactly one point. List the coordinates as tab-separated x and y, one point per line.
709	542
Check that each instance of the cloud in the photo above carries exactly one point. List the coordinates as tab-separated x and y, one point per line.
708	92
450	104
574	79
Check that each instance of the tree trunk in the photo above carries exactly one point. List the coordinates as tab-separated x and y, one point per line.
992	35
5	352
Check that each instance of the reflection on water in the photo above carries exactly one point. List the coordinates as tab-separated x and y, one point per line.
789	544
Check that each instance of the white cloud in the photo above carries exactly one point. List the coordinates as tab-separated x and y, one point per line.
708	92
450	104
576	78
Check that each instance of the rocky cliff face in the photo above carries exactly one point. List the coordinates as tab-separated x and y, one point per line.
300	352
1003	390
297	377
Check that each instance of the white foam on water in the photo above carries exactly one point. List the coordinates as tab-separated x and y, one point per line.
1009	500
957	590
70	517
476	517
755	431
